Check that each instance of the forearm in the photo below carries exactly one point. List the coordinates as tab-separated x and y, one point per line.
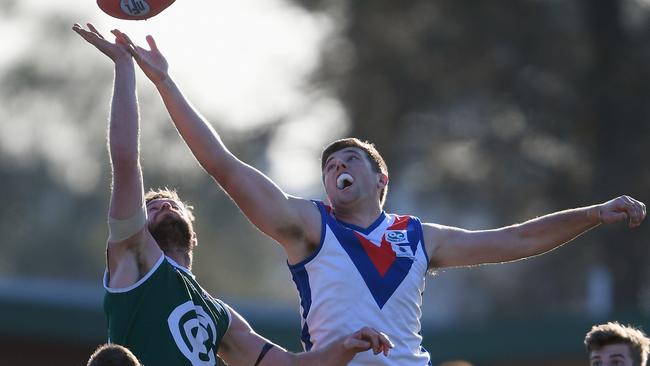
261	200
450	247
123	122
334	354
202	139
123	140
547	232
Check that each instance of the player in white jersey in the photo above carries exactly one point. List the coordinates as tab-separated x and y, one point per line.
373	275
341	280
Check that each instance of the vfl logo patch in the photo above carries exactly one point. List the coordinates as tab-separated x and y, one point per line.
396	236
402	251
135	7
195	333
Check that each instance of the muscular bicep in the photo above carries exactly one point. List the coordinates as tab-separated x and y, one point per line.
242	346
453	247
292	221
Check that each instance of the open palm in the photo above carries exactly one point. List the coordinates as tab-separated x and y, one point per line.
151	61
117	50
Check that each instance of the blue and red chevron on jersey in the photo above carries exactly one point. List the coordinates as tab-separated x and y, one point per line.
378	263
359	277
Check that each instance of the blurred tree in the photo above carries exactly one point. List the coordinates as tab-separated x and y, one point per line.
487	113
618	106
492	113
54	171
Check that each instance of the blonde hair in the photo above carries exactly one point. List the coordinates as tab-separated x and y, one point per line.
171	194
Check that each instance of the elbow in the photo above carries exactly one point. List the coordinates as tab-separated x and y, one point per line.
224	173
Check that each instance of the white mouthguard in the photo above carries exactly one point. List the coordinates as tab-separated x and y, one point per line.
344	180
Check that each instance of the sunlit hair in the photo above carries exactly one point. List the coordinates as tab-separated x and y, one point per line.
113	355
614	333
170	194
378	163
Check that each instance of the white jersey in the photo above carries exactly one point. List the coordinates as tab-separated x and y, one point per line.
365	277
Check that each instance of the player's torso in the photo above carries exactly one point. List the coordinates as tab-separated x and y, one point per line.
372	277
167	318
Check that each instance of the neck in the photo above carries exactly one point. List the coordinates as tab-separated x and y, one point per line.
358	215
182	258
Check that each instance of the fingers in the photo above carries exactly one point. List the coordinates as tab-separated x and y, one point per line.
119	38
82	32
152	43
625	208
124	40
379	342
77	28
94	30
385	343
643	210
634	210
353	343
116	50
91	37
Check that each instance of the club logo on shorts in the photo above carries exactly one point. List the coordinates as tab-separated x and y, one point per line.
135	8
195	333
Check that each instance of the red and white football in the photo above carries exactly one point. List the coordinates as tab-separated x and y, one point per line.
133	9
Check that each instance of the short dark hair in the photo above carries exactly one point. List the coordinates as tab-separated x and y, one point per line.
378	163
113	355
614	333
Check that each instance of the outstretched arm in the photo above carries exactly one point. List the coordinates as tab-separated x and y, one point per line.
242	346
126	185
292	221
451	247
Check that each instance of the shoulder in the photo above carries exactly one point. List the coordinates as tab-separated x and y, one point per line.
130	260
304	233
126	275
436	236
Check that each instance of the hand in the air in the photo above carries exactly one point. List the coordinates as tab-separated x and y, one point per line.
622	208
117	50
151	61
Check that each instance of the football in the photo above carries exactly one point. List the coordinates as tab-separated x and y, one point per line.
133	9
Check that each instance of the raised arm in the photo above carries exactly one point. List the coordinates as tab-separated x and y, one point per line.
125	255
451	247
293	222
242	346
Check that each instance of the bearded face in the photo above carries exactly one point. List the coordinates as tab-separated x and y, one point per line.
172	232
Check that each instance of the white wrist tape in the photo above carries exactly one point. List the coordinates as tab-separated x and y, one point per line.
119	230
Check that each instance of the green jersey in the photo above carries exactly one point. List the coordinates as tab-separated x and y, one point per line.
166	318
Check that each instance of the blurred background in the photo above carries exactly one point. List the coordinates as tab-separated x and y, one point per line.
488	113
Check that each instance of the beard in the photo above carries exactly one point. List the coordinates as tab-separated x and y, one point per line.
173	234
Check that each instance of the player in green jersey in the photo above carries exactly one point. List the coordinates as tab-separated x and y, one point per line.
153	304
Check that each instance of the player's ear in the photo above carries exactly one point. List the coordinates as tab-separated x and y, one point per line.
383	180
194	241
